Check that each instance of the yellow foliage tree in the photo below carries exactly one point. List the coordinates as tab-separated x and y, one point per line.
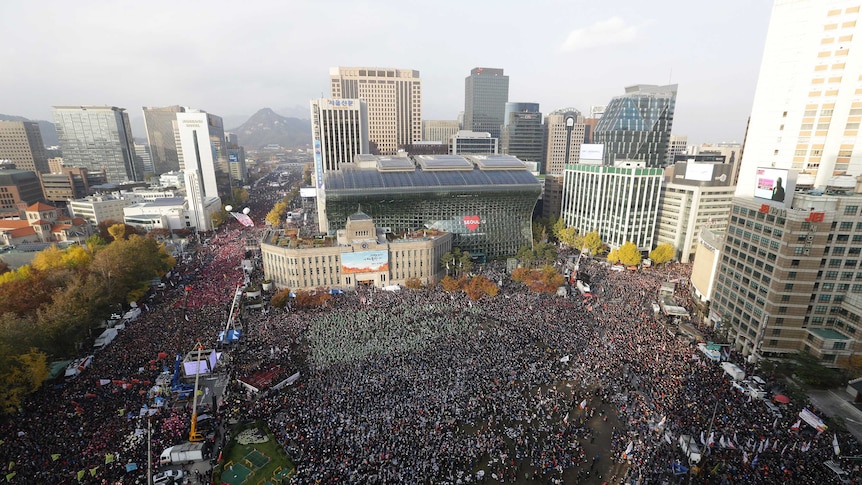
663	253
20	274
593	242
49	259
117	231
20	375
614	256
629	254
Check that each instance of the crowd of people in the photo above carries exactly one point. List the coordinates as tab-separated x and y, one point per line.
425	386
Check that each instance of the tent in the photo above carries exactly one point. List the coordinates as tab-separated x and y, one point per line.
105	338
232	336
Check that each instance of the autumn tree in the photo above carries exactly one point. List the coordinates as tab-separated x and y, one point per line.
663	253
593	242
20	374
613	256
280	299
274	216
450	284
413	283
557	227
629	254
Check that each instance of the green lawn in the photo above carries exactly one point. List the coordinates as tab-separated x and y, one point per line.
243	456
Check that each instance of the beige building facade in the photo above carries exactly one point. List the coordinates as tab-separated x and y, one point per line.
21	143
394	98
360	255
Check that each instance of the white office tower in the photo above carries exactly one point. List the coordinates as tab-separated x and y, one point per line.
808	103
339	132
199	145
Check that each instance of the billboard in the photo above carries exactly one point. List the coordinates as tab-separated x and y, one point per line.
699	171
773	184
307	192
592	152
365	262
318	164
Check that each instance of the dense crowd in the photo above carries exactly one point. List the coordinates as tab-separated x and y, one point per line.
425	386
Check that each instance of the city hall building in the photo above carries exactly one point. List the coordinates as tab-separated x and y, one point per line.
484	201
361	255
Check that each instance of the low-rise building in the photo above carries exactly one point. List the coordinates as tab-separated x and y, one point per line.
70	183
360	255
43	224
165	213
98	208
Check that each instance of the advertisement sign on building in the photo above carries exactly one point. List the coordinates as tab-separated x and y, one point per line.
318	164
365	262
592	153
699	171
774	184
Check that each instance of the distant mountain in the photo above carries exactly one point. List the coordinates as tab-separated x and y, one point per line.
266	127
295	111
49	131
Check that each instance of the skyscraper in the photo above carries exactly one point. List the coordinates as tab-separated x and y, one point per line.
21	142
98	138
522	134
200	139
561	127
160	124
637	125
788	279
807	110
394	99
339	131
485	96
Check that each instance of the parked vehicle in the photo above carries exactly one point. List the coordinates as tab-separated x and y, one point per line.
184	453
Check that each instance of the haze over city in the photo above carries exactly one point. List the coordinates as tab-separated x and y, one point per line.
233	59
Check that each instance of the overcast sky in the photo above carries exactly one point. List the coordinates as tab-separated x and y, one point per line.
233	58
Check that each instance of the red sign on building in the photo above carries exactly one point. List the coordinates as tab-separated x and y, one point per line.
764	208
816	217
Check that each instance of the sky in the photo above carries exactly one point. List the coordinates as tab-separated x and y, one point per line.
234	58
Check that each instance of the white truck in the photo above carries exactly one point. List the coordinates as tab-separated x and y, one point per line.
583	288
184	453
689	447
733	371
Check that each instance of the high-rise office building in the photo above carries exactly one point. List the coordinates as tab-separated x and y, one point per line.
676	146
200	139
160	124
807	110
523	135
394	100
21	143
142	150
619	202
486	93
694	195
637	125
789	278
98	138
564	135
201	145
339	132
439	130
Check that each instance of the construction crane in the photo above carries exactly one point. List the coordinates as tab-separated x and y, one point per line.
194	435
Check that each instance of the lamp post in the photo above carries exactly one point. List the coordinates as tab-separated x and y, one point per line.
570	125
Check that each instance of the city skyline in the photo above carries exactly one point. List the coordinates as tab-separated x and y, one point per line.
587	54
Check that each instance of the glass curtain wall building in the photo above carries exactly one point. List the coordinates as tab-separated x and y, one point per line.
486	93
486	202
161	124
522	135
98	138
637	125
